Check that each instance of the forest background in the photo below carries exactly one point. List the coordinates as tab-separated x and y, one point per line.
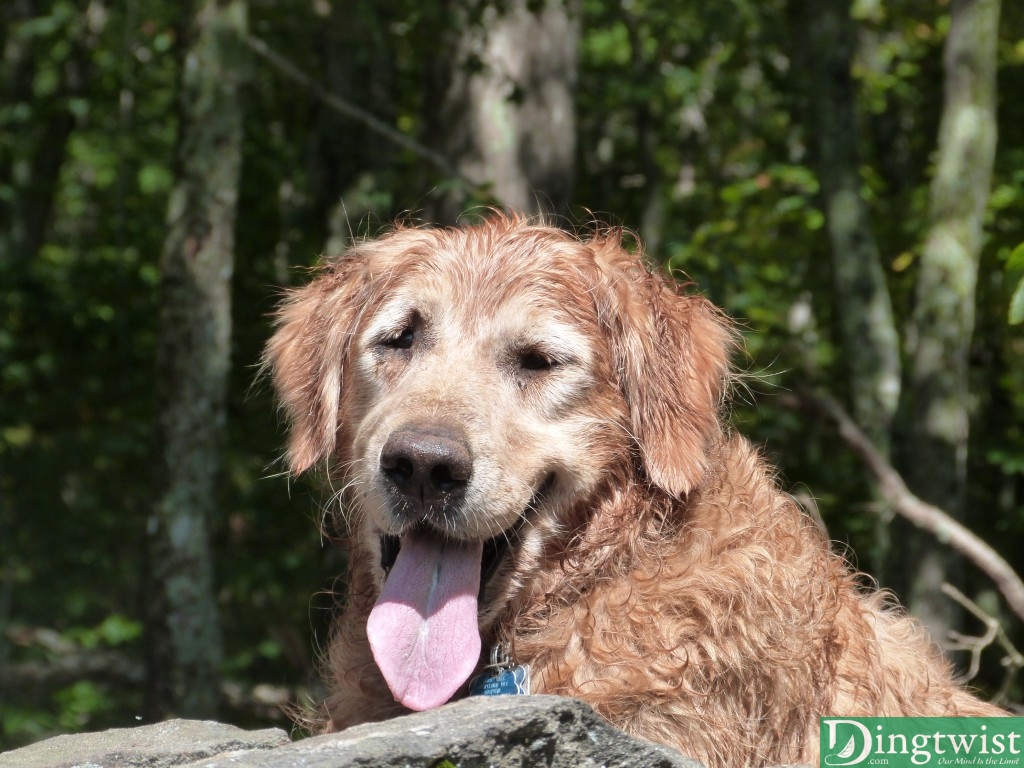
845	179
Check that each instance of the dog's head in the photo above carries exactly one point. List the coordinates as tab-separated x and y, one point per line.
469	388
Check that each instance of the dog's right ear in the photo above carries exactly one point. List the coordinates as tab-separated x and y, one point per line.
308	353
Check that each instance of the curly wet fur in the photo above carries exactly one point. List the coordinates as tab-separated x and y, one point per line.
676	589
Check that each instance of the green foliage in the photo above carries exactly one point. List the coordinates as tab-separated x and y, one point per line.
79	703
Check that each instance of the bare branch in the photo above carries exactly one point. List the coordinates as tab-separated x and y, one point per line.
99	665
263	700
923	515
350	110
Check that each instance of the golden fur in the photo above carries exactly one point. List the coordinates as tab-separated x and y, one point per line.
660	573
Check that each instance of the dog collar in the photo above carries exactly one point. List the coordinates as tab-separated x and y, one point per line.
502	676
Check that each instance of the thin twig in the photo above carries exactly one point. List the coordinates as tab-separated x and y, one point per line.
973	645
925	516
994	633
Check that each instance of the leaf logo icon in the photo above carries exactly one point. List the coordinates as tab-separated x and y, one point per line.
848	749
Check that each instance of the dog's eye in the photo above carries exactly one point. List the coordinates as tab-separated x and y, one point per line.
403	340
535	361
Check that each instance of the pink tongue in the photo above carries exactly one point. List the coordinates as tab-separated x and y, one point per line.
423	629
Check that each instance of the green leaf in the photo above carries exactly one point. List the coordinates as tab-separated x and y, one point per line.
1015	278
154	179
1016	314
117	629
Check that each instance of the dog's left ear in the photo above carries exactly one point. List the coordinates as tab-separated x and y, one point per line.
672	354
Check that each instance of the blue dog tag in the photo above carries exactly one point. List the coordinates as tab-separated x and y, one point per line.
514	681
501	677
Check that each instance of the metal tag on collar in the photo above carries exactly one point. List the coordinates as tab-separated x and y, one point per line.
501	677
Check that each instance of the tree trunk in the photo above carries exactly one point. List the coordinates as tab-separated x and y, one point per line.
863	311
507	115
943	318
192	367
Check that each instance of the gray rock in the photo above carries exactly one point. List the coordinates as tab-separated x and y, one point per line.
499	731
172	743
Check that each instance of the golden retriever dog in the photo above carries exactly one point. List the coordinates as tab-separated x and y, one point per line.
524	430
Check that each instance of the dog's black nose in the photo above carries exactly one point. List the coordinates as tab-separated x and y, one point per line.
426	465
